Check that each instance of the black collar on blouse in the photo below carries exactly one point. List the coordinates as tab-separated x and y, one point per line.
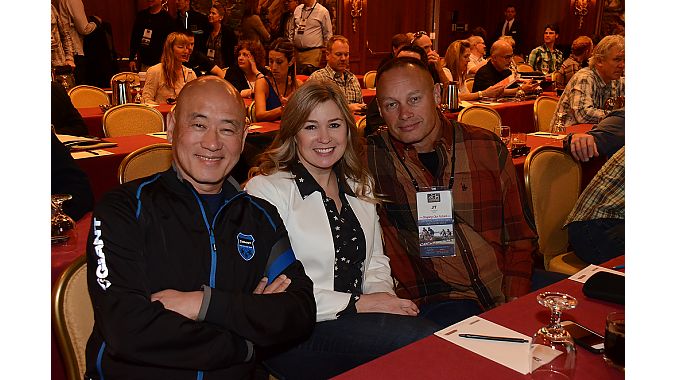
307	185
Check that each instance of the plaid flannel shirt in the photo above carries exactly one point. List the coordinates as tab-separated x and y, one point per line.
569	67
541	57
603	198
583	99
347	82
486	199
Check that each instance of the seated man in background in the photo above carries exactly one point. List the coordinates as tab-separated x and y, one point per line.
68	178
585	96
497	70
546	58
398	41
596	223
580	52
65	117
605	138
492	258
187	273
477	49
198	61
336	70
435	62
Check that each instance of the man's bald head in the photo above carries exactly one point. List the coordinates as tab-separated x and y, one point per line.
500	47
204	85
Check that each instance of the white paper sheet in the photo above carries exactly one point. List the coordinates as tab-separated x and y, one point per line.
548	135
583	275
67	138
515	356
90	153
162	135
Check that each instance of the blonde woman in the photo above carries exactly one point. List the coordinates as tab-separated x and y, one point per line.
457	59
166	79
313	174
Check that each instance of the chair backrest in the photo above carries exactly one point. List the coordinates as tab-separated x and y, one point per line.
251	112
361	125
145	161
370	79
469	83
73	317
553	179
543	111
524	68
126	75
87	96
481	116
132	119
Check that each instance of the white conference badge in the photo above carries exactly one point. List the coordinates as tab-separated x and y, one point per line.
147	35
435	222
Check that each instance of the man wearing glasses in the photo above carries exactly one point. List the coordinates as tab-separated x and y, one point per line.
497	69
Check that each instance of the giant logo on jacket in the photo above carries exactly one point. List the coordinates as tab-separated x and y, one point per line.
245	246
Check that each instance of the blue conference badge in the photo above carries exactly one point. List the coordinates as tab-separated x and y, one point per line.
245	246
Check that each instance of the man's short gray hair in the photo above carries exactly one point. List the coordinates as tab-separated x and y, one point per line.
474	40
604	47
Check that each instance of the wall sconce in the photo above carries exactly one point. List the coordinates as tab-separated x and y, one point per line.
581	8
355	12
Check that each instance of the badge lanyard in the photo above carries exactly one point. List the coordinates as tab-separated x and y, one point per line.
435	214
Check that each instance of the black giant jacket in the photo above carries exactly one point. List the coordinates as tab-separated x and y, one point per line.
154	234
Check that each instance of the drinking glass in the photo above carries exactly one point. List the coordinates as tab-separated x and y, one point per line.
63	226
613	347
505	135
518	140
552	344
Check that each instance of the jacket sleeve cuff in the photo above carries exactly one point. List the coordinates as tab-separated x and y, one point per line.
206	299
351	307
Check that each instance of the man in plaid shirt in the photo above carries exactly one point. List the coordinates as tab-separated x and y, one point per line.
585	95
422	148
337	61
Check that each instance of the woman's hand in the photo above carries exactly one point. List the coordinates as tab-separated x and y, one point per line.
247	93
385	303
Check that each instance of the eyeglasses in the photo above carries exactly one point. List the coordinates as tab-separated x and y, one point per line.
419	34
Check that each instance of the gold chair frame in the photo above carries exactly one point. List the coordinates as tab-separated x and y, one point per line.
83	96
158	155
159	126
542	122
370	79
477	109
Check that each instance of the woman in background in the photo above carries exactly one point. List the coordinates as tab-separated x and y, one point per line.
457	58
313	175
166	79
252	27
222	40
250	66
272	91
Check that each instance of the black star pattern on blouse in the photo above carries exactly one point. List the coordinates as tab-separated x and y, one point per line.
348	237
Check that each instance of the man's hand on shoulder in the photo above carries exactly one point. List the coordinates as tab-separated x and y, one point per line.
185	303
583	147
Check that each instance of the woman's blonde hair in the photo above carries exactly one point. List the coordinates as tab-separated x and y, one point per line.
453	53
283	151
170	64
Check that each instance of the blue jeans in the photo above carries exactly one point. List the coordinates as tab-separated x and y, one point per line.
344	343
597	241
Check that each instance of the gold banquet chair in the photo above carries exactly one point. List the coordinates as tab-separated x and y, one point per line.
553	179
469	83
87	96
543	111
251	112
145	161
132	119
73	317
524	68
370	79
126	75
481	116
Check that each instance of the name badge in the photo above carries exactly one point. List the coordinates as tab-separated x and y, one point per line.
211	53
301	27
435	222
147	35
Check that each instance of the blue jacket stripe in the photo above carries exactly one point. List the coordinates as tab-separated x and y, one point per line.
253	202
281	263
138	193
99	358
200	375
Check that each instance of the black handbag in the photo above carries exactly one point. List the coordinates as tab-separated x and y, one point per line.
605	286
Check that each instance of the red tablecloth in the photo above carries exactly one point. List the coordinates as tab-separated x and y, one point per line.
433	357
62	256
93	117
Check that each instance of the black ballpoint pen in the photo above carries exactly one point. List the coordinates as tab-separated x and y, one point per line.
496	338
